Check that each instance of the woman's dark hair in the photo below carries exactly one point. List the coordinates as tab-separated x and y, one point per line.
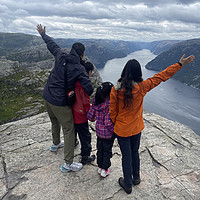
103	92
89	67
131	73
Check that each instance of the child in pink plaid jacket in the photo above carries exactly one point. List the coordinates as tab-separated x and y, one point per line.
99	111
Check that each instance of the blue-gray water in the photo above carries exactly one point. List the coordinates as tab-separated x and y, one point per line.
171	99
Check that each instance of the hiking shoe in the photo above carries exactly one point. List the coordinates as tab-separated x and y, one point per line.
126	189
54	147
105	173
71	167
99	170
88	160
136	181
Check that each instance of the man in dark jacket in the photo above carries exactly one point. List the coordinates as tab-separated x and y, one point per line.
54	94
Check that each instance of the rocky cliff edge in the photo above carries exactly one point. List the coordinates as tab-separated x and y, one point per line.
169	153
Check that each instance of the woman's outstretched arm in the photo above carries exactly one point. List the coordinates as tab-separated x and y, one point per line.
164	75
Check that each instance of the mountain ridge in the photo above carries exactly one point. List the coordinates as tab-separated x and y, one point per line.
21	47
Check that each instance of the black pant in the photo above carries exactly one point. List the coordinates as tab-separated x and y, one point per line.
85	139
129	147
104	152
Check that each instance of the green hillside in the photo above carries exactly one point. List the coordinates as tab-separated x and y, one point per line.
19	93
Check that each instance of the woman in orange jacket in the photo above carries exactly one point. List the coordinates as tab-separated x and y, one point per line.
126	112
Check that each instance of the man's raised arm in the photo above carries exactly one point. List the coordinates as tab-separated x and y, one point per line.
51	45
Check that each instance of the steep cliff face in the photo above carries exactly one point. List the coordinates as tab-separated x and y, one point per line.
169	153
189	74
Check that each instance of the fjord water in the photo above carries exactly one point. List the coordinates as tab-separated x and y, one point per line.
171	99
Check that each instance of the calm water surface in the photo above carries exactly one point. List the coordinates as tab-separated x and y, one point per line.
171	99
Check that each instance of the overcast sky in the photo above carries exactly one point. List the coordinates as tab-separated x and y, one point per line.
133	20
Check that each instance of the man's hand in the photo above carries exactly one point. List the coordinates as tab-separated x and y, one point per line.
185	61
40	29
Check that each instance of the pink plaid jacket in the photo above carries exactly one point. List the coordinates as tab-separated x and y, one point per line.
100	113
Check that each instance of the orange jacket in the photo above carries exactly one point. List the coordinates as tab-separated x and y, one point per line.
130	122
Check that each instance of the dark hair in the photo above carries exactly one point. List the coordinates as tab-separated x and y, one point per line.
89	67
131	72
79	48
103	92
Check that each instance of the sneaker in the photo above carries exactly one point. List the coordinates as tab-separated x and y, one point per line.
126	189
88	160
56	147
71	167
105	173
136	181
99	170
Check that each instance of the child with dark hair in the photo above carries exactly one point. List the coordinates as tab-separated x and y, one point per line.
99	111
80	109
126	112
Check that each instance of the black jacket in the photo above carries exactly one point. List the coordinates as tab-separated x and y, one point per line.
54	91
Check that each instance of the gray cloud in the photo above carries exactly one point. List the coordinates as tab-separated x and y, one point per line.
149	3
127	20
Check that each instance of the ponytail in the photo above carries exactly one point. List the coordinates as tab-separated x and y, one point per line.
99	98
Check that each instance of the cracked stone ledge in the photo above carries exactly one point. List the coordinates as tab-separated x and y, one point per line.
169	164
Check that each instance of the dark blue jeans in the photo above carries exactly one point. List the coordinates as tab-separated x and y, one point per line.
129	147
85	139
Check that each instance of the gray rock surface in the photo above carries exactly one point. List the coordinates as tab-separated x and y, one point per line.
8	67
169	153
